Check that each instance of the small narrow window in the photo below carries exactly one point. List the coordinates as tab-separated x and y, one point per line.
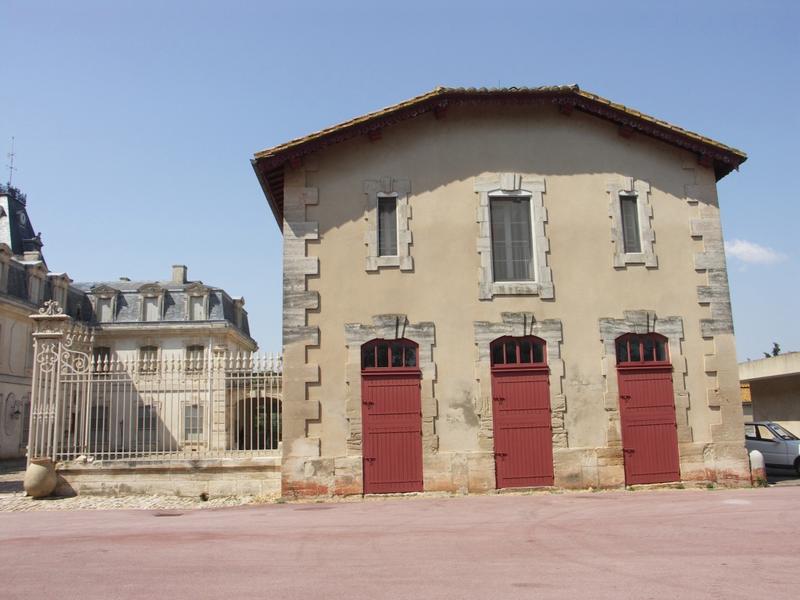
629	208
387	226
512	246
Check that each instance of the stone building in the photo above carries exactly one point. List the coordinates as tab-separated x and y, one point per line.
146	322
157	319
25	282
771	389
504	288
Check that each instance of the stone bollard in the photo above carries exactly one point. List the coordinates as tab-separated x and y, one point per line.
40	478
758	473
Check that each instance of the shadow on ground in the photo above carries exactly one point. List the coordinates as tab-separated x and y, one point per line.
12	473
782	477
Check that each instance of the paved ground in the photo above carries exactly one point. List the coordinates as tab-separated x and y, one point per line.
649	544
12	498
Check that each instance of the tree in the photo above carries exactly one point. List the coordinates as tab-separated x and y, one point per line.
776	349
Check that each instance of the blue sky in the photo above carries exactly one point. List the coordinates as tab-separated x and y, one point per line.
135	121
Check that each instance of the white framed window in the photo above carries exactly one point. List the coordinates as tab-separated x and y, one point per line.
388	216
193	421
631	213
512	240
387	224
512	237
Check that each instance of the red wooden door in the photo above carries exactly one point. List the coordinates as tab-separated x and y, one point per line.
391	412
647	414
521	414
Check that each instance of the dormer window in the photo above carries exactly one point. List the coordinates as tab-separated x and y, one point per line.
152	302
197	302
151	312
34	289
104	310
197	308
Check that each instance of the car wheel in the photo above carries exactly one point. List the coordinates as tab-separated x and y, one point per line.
797	466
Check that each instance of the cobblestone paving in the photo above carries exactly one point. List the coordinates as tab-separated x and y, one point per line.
13	498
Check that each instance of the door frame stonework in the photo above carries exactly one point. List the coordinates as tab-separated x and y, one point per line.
518	324
643	322
387	327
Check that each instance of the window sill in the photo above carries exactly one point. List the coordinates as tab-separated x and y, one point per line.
513	288
647	259
405	263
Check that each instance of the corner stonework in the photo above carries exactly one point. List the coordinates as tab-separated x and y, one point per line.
724	459
298	336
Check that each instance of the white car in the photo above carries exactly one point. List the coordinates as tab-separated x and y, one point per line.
780	447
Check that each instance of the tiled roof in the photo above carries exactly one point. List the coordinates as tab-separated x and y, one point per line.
269	163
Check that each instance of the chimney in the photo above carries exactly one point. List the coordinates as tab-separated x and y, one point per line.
179	273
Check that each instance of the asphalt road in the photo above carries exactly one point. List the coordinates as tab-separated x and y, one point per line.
648	544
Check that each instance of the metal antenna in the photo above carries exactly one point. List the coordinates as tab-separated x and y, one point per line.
10	165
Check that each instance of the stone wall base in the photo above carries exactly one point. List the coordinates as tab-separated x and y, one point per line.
473	472
259	476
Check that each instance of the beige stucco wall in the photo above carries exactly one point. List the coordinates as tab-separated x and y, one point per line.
777	399
16	355
577	157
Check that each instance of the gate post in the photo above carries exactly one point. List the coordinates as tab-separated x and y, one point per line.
50	327
217	408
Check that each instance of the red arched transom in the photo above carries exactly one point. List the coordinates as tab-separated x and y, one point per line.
509	352
640	349
389	354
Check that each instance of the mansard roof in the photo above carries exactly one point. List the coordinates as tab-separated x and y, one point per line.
124	285
269	163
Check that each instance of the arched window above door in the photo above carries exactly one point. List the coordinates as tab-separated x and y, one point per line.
641	349
389	354
524	351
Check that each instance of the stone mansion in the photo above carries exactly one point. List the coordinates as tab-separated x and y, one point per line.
129	320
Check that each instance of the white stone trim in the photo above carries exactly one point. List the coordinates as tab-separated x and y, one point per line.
519	324
642	322
512	184
400	189
641	189
390	327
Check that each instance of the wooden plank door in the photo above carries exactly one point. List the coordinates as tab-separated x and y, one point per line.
391	412
649	430
522	428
